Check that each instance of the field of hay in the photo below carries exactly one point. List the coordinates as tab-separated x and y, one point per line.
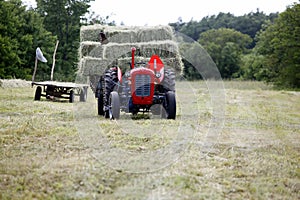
248	147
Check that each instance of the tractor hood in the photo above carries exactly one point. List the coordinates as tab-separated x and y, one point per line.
142	85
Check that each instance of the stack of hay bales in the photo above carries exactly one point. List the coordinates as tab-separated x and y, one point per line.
96	57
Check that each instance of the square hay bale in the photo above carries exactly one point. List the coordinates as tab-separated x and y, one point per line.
156	33
114	51
115	34
175	64
94	66
126	34
122	36
90	33
165	49
91	49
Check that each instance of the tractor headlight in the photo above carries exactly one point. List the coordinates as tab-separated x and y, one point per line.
157	75
127	74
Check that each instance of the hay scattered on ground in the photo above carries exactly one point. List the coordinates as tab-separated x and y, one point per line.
14	83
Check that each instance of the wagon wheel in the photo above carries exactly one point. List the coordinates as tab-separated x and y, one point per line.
38	93
72	96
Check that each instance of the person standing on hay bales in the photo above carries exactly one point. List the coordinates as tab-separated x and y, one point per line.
102	37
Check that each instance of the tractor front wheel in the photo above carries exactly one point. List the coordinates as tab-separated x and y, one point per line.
114	102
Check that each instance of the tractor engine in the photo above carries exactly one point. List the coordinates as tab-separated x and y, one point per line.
142	86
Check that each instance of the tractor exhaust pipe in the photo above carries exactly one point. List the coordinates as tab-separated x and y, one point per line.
132	57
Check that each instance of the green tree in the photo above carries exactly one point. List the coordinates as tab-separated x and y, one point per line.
63	18
21	32
40	38
252	67
279	44
226	47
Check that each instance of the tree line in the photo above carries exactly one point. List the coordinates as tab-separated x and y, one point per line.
254	46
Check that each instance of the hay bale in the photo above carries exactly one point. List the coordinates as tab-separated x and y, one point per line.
165	49
116	50
126	34
157	33
174	63
122	36
91	49
89	66
90	33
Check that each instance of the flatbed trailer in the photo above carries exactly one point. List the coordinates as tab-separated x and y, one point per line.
64	90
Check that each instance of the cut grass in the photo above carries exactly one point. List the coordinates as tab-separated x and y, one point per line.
256	154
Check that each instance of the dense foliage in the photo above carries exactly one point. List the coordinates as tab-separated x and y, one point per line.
279	44
21	32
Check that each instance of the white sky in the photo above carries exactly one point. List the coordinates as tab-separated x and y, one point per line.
155	12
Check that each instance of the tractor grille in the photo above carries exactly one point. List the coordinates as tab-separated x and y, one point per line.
142	85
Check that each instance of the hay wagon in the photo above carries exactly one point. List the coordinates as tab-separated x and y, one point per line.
54	90
62	90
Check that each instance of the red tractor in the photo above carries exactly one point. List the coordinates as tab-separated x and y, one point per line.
147	87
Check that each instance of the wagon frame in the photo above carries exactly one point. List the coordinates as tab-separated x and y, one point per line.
62	90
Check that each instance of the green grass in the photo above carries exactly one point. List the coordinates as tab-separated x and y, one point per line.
52	150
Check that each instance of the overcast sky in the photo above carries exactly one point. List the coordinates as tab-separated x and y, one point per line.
155	12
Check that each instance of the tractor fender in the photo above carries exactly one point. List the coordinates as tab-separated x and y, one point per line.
119	75
157	66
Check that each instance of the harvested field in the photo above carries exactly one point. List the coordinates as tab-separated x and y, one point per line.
50	150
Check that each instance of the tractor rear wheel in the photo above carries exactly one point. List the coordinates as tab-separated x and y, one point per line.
100	105
169	80
110	80
114	100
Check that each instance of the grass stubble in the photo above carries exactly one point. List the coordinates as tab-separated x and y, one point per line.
49	150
